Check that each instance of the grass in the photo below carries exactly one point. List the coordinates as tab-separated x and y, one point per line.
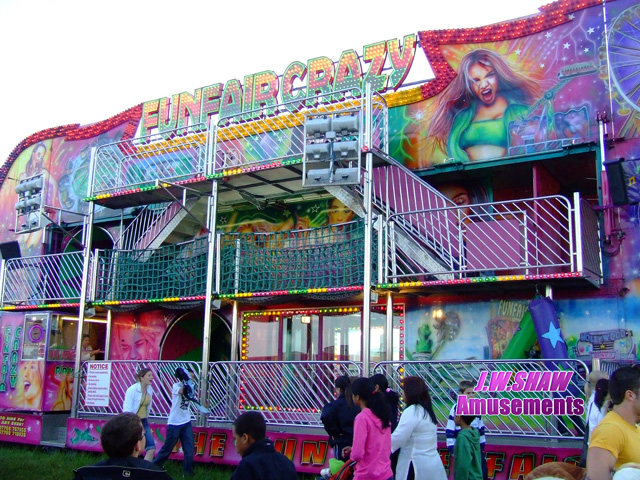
35	463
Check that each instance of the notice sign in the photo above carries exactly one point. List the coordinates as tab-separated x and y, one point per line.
98	382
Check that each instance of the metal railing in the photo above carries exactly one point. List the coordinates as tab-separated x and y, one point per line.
177	270
328	256
175	155
144	224
292	394
276	133
123	375
588	227
443	378
286	393
525	237
43	278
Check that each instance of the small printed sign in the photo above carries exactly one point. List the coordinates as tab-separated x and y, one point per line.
98	382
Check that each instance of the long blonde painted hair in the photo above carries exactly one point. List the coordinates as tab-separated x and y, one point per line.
459	95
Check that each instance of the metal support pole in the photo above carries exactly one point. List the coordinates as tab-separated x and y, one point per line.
212	203
87	233
235	340
389	332
368	233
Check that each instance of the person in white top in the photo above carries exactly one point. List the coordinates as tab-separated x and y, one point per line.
138	400
87	353
416	434
179	424
597	409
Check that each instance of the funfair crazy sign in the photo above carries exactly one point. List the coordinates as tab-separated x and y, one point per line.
261	92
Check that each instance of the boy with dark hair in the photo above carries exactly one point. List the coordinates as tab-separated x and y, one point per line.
122	440
468	464
260	461
465	387
615	440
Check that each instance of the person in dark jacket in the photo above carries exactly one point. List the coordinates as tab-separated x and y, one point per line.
122	439
260	461
338	416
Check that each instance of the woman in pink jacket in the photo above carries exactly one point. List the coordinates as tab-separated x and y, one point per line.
371	433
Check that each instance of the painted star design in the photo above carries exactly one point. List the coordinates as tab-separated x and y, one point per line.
223	220
518	51
29	428
553	335
315	208
566	45
590	31
547	35
542	65
586	50
571	16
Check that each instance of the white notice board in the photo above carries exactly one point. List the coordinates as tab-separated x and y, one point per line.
98	383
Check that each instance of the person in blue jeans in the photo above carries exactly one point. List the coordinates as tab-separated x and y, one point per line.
178	426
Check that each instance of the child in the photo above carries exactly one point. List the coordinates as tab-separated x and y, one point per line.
260	460
371	433
467	465
466	388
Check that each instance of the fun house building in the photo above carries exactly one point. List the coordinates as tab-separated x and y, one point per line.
275	231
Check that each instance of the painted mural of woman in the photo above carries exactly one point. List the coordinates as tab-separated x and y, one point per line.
472	114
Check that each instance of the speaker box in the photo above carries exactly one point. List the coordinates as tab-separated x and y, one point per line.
617	182
10	250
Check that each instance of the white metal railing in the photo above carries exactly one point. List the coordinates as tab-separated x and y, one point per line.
123	375
276	133
43	278
176	155
292	393
145	224
524	237
443	377
286	393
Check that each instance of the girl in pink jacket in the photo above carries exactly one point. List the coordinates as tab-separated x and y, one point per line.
371	433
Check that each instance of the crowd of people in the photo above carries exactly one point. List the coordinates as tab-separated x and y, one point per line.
370	441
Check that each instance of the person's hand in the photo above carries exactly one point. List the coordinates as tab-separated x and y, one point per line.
346	452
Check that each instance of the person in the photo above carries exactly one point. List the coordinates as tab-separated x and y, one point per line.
465	387
138	399
260	460
338	416
87	353
123	440
590	385
473	113
593	413
179	426
468	464
393	399
29	391
615	440
371	433
597	409
416	434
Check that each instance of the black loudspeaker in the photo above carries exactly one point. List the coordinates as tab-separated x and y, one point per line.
10	250
617	182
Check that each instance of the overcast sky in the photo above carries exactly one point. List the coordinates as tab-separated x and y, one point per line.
83	61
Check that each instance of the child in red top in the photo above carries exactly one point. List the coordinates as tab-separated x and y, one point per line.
371	433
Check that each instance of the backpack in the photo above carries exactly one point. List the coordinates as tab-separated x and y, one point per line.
346	471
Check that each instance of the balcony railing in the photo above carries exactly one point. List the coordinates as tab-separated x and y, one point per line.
174	271
42	279
524	237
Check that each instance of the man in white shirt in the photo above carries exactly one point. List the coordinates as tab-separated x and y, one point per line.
179	426
87	354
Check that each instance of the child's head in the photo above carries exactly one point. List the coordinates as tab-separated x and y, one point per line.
465	387
248	428
464	421
380	381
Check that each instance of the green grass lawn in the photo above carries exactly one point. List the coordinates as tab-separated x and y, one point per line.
37	463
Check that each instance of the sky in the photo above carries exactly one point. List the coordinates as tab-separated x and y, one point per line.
79	61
